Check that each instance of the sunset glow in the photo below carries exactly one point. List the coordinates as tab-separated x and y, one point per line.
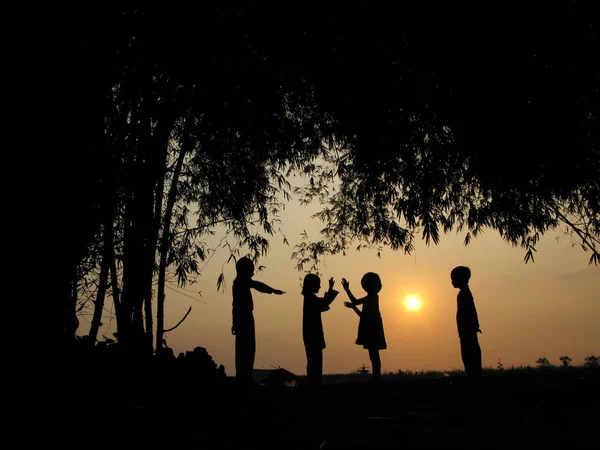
412	302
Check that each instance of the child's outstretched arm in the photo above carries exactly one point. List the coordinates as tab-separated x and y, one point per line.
353	307
346	286
265	288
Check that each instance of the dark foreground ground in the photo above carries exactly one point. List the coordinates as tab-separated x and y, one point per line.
517	410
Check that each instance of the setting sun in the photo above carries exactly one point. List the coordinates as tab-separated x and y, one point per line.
412	302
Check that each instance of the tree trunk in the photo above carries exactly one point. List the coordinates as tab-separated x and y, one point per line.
103	283
153	189
164	243
71	323
131	329
114	282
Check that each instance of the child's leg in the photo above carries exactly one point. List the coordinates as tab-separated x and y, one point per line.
245	349
375	364
476	358
464	353
314	365
471	355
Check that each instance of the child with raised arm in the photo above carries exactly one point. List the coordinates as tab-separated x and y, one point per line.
312	325
467	322
243	319
370	326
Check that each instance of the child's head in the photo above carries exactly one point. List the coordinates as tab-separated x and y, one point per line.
244	267
460	276
371	283
311	285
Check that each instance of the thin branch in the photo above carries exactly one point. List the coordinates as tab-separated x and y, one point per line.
186	295
212	224
591	245
179	323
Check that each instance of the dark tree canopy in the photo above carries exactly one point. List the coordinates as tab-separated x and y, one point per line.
409	120
448	117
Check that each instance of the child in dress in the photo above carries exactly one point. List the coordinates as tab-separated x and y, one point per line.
370	327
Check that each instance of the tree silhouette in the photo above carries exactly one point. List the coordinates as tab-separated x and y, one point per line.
400	136
213	135
591	361
543	362
566	361
438	133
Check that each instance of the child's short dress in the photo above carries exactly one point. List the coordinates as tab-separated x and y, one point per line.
370	327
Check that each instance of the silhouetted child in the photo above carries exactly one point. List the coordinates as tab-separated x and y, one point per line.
312	325
370	327
243	319
467	322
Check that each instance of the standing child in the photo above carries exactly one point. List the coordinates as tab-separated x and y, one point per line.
243	319
370	327
312	325
467	322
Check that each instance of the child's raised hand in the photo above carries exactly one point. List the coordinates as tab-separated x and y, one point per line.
345	284
331	283
348	304
278	292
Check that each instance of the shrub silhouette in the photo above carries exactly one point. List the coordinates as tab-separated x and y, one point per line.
543	362
566	361
591	362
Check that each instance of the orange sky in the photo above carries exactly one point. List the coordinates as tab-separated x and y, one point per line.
548	308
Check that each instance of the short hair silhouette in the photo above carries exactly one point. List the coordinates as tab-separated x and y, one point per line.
311	282
371	283
462	274
244	266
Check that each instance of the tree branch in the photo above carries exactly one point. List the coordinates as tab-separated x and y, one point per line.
179	323
583	236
